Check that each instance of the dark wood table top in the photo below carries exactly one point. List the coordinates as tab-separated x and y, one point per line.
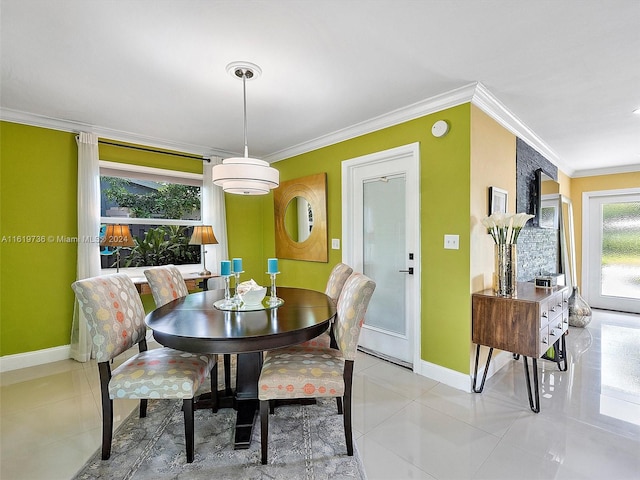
193	324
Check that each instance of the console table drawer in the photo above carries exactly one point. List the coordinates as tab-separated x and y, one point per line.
545	341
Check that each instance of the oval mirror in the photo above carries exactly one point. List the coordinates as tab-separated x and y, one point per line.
298	219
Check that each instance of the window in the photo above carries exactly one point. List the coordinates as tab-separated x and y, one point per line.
159	206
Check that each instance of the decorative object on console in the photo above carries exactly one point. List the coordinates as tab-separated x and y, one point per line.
245	175
505	228
551	280
579	310
118	236
203	235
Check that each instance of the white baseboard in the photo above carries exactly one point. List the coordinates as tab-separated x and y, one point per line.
445	375
459	380
37	357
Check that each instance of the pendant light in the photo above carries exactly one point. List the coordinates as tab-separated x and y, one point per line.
245	175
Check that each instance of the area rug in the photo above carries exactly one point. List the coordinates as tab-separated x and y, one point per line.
305	442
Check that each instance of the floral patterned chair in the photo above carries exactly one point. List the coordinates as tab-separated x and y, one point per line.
167	284
115	316
307	372
339	275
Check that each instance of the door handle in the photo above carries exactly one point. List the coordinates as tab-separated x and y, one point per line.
410	271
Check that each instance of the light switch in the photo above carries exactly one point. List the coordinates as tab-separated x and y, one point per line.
452	242
335	243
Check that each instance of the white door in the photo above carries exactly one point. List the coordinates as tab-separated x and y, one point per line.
611	241
381	228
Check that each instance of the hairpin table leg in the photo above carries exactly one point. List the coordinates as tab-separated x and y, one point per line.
535	406
486	369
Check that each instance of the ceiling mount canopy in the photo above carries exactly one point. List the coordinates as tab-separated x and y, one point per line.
245	175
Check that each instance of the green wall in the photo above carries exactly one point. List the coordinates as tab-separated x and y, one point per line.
38	198
39	192
445	198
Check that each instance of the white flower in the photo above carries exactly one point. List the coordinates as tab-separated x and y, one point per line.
520	219
505	227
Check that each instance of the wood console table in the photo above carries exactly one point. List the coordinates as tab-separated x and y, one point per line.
527	324
193	281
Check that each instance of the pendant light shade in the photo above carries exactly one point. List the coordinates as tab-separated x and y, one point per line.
245	175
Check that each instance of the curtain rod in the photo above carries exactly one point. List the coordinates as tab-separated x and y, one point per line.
153	150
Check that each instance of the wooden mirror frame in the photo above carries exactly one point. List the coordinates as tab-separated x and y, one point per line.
314	189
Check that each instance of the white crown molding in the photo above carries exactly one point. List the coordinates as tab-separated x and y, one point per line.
438	103
25	118
489	104
606	171
475	93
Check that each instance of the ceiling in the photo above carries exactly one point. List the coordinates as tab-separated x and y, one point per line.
154	71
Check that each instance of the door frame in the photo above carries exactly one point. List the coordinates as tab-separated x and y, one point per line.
411	151
586	242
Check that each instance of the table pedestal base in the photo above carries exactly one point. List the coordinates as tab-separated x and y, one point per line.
244	400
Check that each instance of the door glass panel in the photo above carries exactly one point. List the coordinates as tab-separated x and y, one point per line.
620	252
384	248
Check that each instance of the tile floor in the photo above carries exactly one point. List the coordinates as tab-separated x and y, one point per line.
406	426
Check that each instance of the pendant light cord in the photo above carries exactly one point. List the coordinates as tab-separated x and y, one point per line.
244	95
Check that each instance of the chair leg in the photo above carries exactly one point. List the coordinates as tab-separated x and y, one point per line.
348	380
264	428
107	428
339	404
187	407
107	409
227	374
348	433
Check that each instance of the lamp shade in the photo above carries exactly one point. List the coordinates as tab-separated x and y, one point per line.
202	235
117	236
245	176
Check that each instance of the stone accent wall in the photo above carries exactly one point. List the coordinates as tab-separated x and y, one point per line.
537	253
528	161
538	248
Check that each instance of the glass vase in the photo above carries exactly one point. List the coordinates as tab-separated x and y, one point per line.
579	309
504	274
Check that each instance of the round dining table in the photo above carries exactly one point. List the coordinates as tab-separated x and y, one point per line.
194	324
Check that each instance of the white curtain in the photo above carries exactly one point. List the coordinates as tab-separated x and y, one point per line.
214	214
88	229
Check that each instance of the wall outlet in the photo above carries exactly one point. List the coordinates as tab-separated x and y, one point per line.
335	243
452	242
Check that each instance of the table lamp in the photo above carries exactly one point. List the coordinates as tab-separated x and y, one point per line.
203	235
117	236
